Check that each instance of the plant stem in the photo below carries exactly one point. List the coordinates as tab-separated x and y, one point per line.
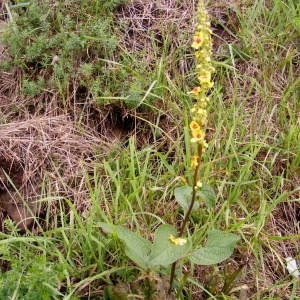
148	291
196	173
172	275
187	215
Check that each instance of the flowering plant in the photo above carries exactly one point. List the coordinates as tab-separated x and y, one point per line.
170	246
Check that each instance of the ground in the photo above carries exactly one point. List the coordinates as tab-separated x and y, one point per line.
94	111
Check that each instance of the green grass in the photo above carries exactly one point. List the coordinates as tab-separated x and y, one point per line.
252	162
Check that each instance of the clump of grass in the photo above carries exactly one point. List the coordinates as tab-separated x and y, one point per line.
58	43
38	279
71	49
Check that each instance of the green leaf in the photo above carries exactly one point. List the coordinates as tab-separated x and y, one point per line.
163	251
219	246
183	196
136	247
207	194
106	228
218	238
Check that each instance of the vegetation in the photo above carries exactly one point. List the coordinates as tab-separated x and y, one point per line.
101	232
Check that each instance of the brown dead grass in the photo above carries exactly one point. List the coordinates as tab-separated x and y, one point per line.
148	21
48	150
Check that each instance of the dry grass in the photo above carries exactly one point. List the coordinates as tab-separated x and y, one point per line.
148	22
47	151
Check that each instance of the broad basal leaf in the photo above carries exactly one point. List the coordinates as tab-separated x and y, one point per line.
183	196
136	247
219	246
218	238
164	252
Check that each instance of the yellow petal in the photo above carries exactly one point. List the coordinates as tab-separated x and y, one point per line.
177	241
194	162
194	125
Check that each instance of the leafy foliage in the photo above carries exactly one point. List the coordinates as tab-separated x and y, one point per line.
38	279
207	194
163	252
219	246
145	254
71	48
137	248
53	44
183	196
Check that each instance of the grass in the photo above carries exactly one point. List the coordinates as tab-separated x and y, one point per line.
252	160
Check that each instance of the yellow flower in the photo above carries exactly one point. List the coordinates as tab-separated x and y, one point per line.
201	103
198	137
198	40
196	130
194	126
209	84
204	77
201	113
199	185
202	44
195	91
177	241
194	162
205	145
196	140
201	54
197	133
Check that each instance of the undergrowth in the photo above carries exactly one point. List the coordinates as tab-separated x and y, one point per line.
252	160
71	48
